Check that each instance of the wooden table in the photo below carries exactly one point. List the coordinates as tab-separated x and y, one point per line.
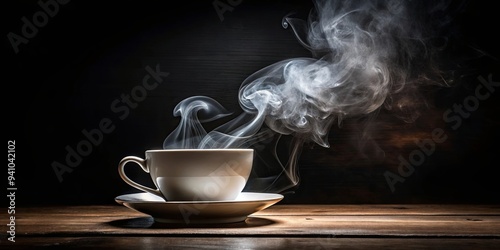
278	227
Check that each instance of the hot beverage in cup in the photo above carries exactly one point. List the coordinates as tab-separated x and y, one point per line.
193	174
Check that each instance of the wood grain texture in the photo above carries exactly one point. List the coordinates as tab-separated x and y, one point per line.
278	227
316	243
279	221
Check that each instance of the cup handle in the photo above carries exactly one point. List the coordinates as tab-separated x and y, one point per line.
142	163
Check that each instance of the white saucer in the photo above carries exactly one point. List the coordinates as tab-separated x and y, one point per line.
187	212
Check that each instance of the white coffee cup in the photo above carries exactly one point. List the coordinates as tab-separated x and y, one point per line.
193	174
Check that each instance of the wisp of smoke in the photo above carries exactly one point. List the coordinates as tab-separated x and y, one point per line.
363	56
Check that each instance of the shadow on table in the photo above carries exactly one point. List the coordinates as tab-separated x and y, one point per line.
149	222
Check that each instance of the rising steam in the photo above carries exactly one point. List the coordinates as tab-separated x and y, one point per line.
363	56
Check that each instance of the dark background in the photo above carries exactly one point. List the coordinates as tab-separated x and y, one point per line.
65	79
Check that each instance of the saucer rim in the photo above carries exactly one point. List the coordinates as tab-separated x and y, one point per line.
273	197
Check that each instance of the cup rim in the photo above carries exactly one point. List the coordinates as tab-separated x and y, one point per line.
201	150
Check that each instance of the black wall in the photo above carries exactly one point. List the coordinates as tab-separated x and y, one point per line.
76	70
